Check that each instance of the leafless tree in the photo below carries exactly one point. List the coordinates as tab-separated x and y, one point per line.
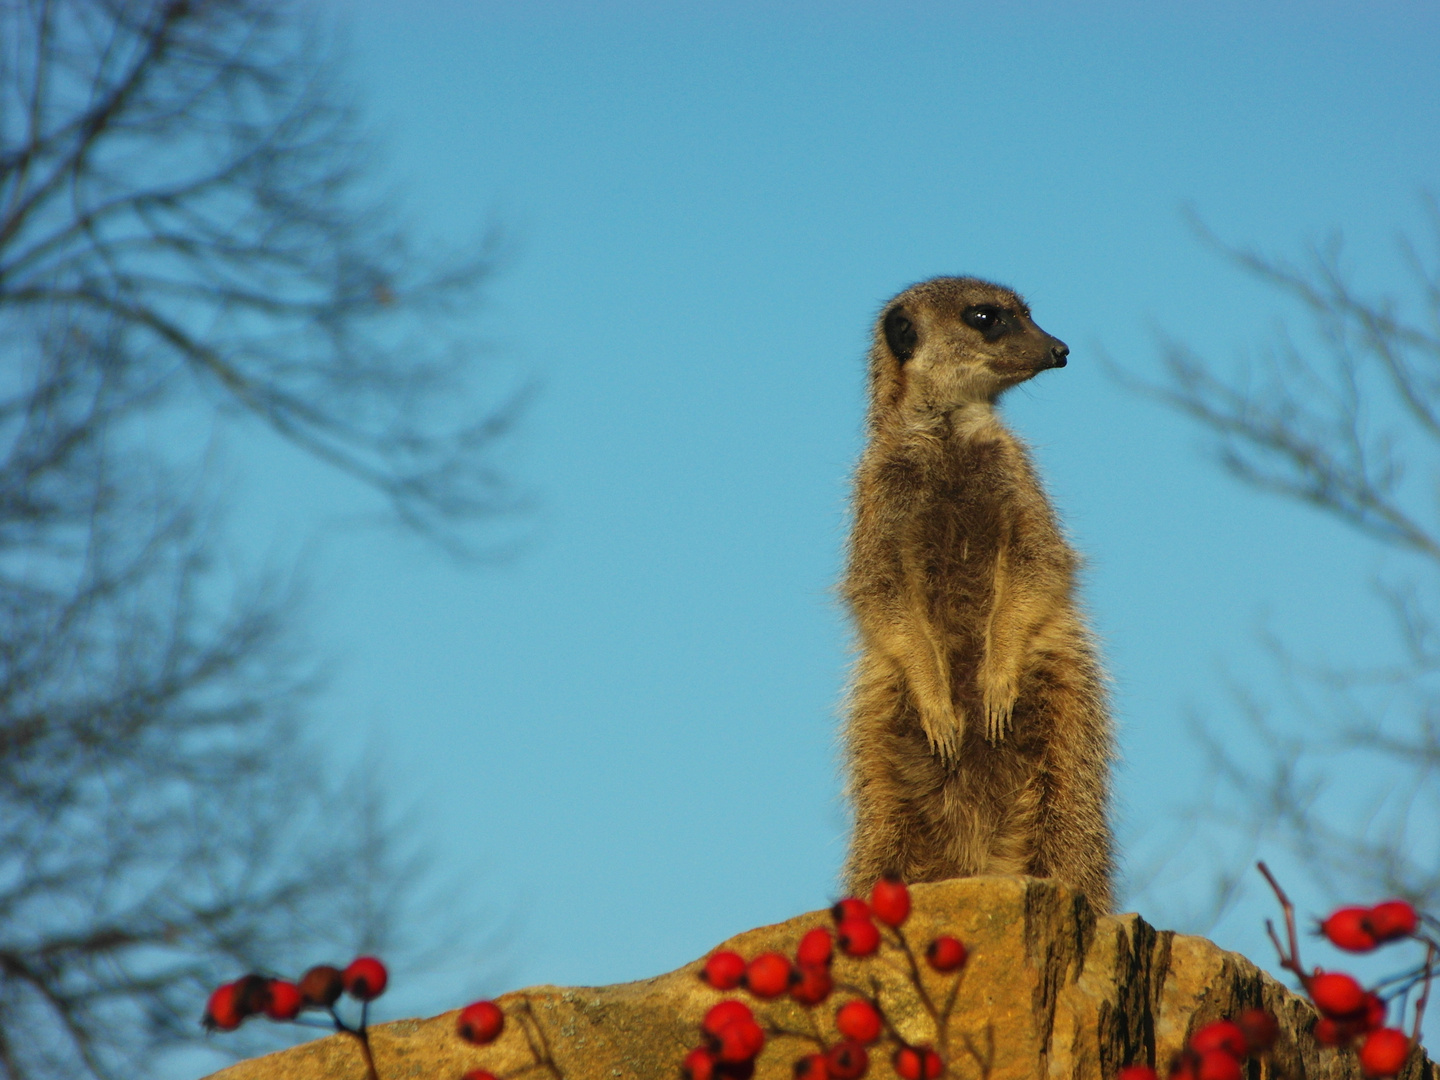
183	234
1342	416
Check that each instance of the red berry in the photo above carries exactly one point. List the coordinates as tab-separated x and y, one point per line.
285	1000
740	1040
481	1022
909	1063
812	1067
814	986
1218	1065
859	1020
1349	929
699	1064
1329	1033
847	1061
946	953
220	1011
1384	1052
1136	1072
1392	919
725	1012
890	901
1260	1028
815	948
918	1063
322	986
1220	1035
1374	1012
365	978
850	908
1336	994
724	970
858	937
768	975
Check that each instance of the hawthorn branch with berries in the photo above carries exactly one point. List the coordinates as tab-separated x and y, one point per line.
1349	1013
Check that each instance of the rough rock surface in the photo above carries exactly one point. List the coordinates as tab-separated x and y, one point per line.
1050	991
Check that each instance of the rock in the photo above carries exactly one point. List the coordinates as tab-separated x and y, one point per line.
1050	991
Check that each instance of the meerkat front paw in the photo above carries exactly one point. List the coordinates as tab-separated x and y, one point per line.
943	729
999	706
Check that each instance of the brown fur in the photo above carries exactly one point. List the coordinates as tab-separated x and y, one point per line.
978	740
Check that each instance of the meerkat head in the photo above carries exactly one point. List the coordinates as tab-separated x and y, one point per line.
950	342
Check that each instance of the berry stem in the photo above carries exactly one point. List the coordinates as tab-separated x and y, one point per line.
1430	955
1291	961
919	981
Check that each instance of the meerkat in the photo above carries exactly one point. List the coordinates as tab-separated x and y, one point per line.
977	737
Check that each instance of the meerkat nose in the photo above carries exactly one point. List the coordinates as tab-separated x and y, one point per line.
1058	352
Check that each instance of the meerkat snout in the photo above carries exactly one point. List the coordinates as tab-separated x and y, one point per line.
1060	351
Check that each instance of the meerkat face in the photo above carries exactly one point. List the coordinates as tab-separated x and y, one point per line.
955	341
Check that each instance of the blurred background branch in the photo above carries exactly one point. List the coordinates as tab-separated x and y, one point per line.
184	232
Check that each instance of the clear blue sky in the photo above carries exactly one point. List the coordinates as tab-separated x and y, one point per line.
621	742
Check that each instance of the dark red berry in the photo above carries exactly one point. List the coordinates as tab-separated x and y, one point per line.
932	1065
740	1040
909	1063
252	995
812	1067
1220	1035
480	1022
1392	919
724	970
1349	928
850	908
768	975
699	1064
858	937
285	1000
1260	1028
365	978
322	986
859	1020
1218	1065
815	948
847	1061
1336	994
724	1013
1384	1052
946	953
221	1013
814	985
890	901
1136	1072
1329	1033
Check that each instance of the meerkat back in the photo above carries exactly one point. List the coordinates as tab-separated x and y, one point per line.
977	739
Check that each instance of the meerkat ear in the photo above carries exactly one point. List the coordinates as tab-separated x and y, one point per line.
900	334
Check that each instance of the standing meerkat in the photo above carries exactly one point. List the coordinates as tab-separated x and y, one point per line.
977	739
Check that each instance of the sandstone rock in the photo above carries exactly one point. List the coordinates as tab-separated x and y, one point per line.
1050	992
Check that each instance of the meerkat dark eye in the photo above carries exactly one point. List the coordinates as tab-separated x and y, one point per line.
983	317
900	334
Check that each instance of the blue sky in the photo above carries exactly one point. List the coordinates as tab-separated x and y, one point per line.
620	743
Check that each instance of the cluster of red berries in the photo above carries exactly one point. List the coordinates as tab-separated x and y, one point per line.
1217	1050
1348	1012
319	988
733	1037
1360	929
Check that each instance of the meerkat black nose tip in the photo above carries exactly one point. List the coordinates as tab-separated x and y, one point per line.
1058	354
